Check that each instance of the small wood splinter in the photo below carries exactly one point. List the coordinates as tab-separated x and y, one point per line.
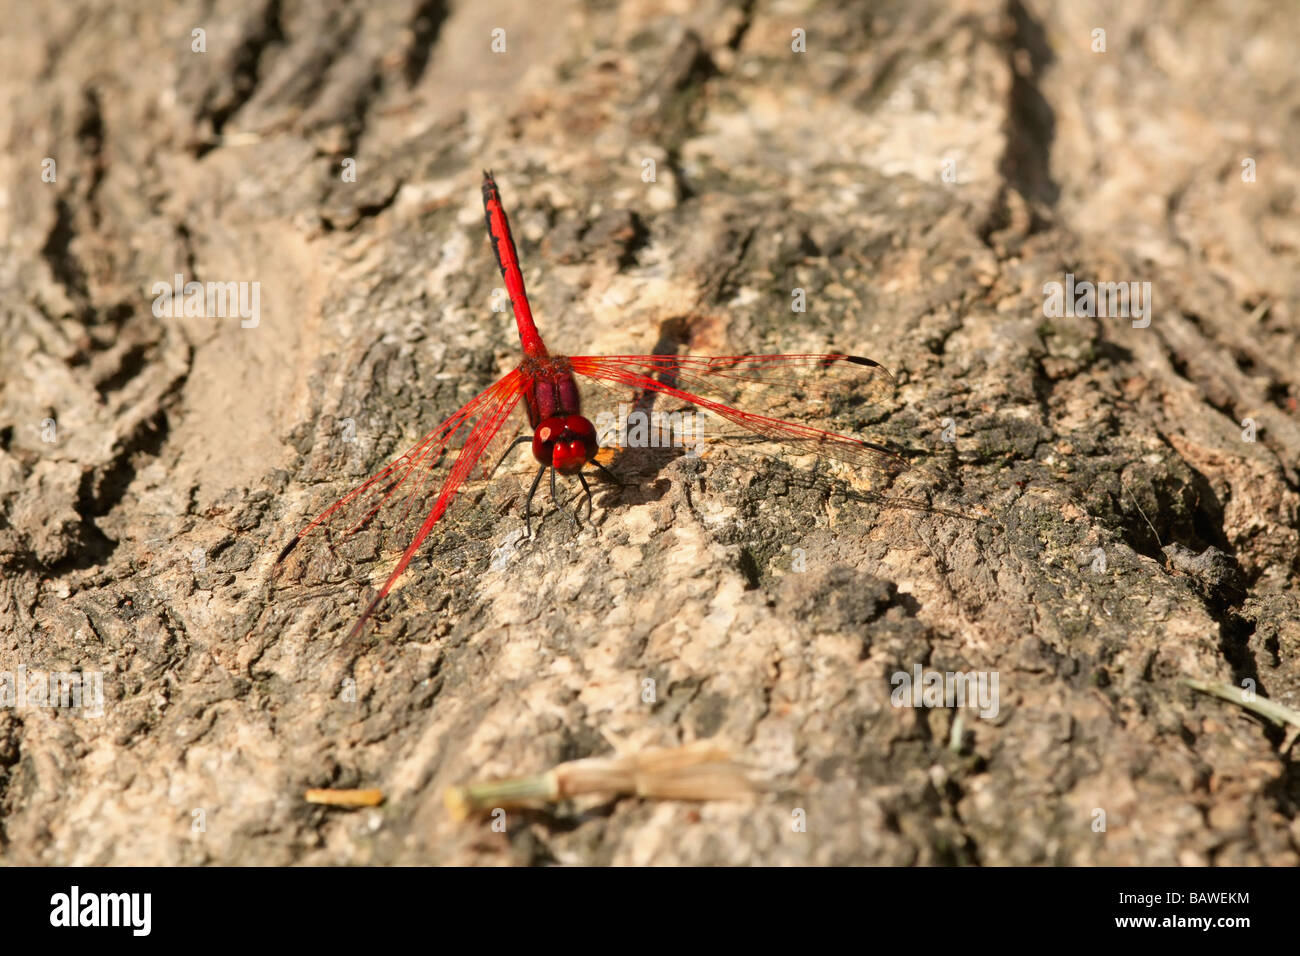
345	798
699	771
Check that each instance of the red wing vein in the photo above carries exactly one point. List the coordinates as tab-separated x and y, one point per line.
363	502
699	371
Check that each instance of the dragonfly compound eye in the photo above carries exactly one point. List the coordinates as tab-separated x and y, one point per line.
566	443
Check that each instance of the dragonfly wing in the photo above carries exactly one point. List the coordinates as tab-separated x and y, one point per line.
478	441
405	498
804	386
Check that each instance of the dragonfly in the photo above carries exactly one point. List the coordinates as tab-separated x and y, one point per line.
565	442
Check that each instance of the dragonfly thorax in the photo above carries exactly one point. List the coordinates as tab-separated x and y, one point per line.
565	444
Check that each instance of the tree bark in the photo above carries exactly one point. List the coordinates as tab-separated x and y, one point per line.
921	171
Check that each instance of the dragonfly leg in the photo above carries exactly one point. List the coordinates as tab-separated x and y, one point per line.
586	488
528	504
572	514
607	473
560	507
509	448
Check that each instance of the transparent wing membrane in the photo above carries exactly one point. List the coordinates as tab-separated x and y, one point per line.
403	491
396	508
806	391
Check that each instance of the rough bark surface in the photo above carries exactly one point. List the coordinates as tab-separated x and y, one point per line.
1129	537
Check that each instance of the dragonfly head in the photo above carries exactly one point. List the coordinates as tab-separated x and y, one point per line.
566	444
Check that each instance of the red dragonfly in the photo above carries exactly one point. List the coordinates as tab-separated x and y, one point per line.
563	440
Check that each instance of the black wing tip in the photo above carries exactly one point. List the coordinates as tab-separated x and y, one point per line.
896	461
359	628
488	181
869	363
284	552
859	360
